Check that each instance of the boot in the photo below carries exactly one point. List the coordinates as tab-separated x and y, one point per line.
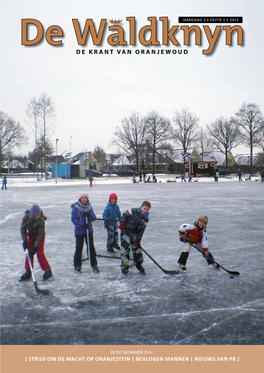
96	268
79	269
141	269
26	275
125	270
47	274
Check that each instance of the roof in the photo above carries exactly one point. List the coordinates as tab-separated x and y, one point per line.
215	156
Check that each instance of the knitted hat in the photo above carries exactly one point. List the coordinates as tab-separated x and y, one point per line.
112	196
35	210
203	219
84	195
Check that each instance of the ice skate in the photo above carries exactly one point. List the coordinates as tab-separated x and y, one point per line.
182	267
26	275
47	274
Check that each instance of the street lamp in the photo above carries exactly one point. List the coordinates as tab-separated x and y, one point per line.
56	162
70	143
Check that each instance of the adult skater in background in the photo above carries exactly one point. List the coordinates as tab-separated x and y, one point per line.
112	211
133	224
4	182
82	216
239	173
33	236
196	234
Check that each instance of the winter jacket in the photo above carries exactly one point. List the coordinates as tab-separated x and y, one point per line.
112	212
35	228
195	234
79	220
135	222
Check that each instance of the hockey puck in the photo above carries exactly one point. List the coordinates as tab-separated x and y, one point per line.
231	277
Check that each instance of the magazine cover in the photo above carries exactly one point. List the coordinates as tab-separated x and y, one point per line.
132	176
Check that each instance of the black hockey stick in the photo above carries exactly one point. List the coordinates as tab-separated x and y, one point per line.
231	272
44	292
173	272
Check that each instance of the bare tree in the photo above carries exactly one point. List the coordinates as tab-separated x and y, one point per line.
158	131
225	135
41	151
259	139
203	143
33	112
100	155
251	122
47	115
185	128
131	136
11	134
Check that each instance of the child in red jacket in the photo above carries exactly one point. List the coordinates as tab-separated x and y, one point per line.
196	234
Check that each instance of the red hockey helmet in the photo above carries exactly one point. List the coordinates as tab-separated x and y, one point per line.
112	196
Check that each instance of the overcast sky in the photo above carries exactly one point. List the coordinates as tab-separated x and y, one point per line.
93	92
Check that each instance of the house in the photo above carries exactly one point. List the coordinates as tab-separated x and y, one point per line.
219	158
244	159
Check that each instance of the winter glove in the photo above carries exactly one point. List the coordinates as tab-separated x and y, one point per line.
86	213
33	251
122	226
86	226
106	224
25	244
206	253
138	242
183	237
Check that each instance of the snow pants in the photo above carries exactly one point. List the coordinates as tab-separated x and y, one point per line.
128	243
44	264
77	259
112	237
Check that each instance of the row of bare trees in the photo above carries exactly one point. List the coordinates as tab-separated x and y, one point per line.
246	127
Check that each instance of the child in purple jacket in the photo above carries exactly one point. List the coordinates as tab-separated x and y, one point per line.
82	216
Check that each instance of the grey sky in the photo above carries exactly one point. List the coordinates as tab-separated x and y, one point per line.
93	92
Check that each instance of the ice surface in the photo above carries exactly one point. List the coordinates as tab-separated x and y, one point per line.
201	306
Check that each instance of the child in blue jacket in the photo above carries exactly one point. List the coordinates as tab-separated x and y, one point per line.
112	211
82	216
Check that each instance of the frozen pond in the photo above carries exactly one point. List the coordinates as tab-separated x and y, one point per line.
201	306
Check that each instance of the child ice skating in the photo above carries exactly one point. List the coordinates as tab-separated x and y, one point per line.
196	234
82	216
133	224
112	214
33	236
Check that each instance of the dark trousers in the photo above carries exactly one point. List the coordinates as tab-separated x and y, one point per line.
77	260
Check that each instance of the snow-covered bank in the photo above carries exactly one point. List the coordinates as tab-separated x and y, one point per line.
162	178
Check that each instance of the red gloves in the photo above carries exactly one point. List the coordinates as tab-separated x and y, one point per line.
206	252
122	226
138	242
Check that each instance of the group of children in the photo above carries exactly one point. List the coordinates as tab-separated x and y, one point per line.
132	224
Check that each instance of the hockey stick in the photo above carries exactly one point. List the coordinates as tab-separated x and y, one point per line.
236	273
44	292
89	248
173	272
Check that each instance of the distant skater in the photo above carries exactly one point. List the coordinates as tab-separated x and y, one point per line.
4	182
